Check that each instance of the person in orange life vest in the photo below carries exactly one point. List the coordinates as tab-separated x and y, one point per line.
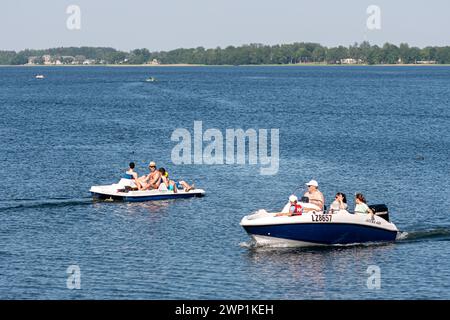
293	208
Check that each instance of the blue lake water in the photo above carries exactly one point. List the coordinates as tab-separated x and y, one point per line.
383	131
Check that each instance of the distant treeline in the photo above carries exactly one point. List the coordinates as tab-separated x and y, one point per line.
295	53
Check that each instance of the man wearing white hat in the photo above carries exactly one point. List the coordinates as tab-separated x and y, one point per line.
152	180
315	196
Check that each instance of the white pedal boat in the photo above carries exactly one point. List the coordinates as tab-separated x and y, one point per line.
121	192
320	229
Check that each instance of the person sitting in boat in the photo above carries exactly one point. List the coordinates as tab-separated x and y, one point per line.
361	205
292	208
339	203
132	175
172	185
152	180
144	179
315	196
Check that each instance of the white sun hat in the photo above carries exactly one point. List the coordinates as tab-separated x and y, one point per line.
312	183
293	198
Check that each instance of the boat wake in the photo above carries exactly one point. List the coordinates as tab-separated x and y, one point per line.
252	245
436	234
255	245
428	234
15	204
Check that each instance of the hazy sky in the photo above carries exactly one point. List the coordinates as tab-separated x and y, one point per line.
170	24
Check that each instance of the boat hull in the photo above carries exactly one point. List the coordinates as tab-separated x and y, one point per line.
306	234
317	229
111	194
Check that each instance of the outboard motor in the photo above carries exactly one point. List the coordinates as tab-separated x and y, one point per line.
380	210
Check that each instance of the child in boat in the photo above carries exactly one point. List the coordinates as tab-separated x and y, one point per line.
172	185
293	208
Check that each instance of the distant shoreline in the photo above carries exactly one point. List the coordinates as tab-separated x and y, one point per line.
291	54
228	65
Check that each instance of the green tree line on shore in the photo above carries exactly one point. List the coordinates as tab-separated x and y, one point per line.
252	54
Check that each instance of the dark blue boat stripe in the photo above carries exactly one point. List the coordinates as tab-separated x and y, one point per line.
147	198
324	233
316	223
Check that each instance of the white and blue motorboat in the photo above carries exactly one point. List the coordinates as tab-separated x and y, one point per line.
316	228
124	191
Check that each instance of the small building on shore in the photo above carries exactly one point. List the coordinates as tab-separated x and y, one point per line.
47	59
426	62
32	60
154	62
